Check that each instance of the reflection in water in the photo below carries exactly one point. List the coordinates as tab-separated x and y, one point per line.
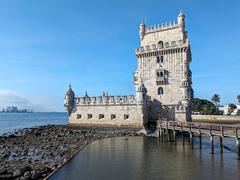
147	158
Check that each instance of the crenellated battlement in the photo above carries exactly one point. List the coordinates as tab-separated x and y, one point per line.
161	27
163	46
106	100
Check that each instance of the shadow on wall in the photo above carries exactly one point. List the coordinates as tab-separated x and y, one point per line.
157	111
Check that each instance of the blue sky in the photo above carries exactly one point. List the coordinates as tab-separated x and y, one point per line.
47	44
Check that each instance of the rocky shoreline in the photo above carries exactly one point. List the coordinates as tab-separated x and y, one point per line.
34	153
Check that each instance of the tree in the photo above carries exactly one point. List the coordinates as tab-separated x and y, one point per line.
238	98
204	106
216	99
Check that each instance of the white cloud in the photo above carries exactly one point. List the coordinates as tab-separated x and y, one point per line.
35	102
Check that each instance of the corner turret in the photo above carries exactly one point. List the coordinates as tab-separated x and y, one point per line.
142	30
141	93
69	100
181	18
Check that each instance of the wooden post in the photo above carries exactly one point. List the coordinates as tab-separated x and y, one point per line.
221	144
190	134
221	140
200	136
211	139
174	134
160	129
238	147
212	143
237	143
183	138
168	134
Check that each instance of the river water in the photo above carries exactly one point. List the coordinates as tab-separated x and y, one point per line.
10	122
148	158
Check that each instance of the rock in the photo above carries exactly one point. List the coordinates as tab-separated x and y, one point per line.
27	174
17	173
6	176
35	174
3	171
24	169
37	132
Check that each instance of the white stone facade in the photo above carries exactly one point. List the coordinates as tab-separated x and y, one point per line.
163	83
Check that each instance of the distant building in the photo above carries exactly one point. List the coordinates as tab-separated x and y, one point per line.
226	110
14	109
163	82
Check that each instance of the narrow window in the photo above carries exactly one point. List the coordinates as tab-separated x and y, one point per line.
158	59
79	116
161	59
89	116
126	116
158	75
101	116
113	116
160	90
160	44
161	74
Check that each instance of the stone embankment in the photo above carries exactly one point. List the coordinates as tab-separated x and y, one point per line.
36	152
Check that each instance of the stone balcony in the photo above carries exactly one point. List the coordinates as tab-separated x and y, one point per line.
161	81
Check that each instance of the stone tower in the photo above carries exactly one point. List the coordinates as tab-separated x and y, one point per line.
69	100
163	66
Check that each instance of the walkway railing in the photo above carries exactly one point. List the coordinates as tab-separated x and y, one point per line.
199	129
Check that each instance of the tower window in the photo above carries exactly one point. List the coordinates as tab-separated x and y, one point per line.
79	116
101	116
113	116
159	59
160	44
126	116
161	74
160	90
89	116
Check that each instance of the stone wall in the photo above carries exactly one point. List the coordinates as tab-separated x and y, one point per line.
118	115
215	118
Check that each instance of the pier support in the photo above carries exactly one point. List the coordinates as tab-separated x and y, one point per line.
200	141
191	139
174	134
174	137
212	144
190	135
221	144
238	147
183	138
200	136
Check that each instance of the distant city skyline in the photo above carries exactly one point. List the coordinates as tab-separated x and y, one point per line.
45	45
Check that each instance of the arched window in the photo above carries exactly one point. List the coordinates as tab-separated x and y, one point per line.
160	44
160	90
161	74
158	75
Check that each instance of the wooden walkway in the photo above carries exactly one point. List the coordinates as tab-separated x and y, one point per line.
199	129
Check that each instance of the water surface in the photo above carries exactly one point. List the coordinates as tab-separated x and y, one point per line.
12	121
146	158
